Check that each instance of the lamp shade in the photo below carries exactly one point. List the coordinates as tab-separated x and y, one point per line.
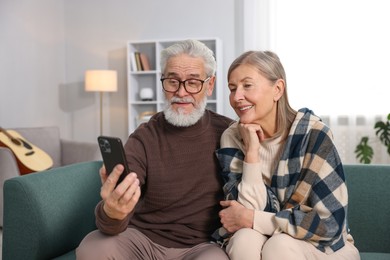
101	80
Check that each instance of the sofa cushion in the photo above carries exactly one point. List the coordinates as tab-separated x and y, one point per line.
68	256
369	209
374	256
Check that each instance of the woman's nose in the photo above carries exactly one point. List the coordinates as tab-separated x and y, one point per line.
238	95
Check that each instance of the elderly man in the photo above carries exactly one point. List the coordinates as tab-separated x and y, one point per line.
167	207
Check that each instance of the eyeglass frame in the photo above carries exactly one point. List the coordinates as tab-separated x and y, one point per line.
184	84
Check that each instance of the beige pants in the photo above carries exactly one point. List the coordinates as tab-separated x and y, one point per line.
249	244
133	245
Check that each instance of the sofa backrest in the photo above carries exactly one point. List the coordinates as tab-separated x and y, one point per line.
369	206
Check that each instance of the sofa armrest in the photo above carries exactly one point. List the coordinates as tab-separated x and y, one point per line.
47	214
76	151
8	169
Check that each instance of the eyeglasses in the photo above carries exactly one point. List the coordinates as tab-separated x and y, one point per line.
192	86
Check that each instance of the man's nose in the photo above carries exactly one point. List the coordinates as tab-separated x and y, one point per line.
182	90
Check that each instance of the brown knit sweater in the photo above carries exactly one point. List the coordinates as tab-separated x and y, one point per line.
180	181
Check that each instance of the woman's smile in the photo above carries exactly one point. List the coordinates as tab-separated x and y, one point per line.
245	108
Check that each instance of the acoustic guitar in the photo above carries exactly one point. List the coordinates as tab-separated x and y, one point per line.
29	157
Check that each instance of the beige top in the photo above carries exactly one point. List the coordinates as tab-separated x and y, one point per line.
252	191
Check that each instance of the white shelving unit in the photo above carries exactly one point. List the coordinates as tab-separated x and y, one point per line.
137	80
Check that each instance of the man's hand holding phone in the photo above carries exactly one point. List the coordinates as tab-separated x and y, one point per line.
119	199
120	187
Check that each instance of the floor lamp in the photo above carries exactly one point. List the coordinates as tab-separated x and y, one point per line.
101	81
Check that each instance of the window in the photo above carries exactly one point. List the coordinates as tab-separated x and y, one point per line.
336	53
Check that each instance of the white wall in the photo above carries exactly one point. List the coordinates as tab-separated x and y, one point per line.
48	45
32	63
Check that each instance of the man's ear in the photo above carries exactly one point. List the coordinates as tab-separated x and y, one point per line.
210	86
279	89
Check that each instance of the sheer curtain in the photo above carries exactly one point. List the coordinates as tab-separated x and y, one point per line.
336	54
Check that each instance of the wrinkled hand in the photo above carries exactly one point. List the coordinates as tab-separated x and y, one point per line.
235	216
119	201
252	135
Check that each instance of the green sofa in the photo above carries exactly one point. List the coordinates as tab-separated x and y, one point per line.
369	209
47	214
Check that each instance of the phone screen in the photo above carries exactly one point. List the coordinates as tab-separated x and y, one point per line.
113	154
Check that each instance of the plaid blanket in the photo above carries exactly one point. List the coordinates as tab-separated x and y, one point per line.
307	193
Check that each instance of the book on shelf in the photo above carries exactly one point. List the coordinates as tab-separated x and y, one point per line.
139	61
144	61
133	63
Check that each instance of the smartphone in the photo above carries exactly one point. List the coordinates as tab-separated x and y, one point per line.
113	154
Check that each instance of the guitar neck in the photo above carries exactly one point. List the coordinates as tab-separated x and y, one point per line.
13	139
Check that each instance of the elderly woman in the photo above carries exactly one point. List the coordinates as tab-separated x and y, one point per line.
285	189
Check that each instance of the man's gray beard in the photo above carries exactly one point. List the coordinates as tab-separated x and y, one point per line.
179	118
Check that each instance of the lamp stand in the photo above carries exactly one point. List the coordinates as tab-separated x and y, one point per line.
101	112
101	81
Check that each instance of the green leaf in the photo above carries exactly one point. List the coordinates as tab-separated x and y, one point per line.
364	151
383	132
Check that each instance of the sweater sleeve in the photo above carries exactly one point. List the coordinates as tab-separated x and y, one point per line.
252	192
108	225
264	222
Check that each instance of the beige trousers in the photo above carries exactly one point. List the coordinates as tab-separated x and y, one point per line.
133	245
249	244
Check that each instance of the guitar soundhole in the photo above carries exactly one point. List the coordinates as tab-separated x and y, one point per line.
15	141
26	145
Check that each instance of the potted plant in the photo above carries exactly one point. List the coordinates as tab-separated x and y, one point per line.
364	152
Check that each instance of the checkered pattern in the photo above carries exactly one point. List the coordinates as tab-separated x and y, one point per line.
308	185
